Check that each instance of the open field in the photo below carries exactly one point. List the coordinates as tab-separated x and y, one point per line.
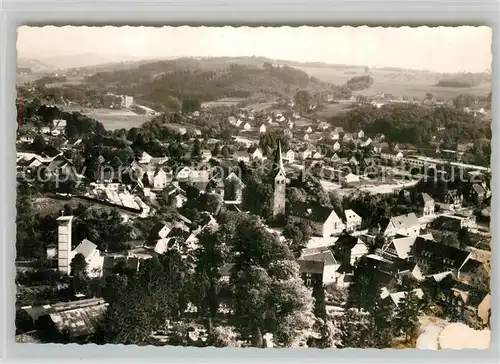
259	107
412	84
111	119
330	110
229	101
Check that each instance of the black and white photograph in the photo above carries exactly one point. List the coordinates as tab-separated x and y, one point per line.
254	187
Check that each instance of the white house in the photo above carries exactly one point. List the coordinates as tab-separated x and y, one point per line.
247	127
241	156
361	134
92	256
306	137
309	130
183	173
336	146
55	132
290	125
349	249
206	155
317	155
160	179
366	143
325	255
45	130
262	128
323	220
290	156
305	153
406	225
352	220
255	153
335	135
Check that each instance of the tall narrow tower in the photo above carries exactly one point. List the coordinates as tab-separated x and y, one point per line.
64	243
279	177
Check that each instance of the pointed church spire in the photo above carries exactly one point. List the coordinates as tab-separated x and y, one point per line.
278	159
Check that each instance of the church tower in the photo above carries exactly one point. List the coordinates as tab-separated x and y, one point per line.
279	178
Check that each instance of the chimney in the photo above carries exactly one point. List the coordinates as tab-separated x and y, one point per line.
64	243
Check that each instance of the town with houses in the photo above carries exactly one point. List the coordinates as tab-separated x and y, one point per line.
250	224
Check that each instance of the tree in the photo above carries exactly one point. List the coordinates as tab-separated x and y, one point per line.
210	256
196	152
303	100
158	292
406	314
226	153
298	234
39	145
190	105
319	302
268	292
78	266
464	237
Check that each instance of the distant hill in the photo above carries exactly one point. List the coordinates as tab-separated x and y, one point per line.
464	80
205	79
32	63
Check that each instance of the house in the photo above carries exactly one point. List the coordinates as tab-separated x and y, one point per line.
347	137
161	179
325	255
75	320
426	204
434	257
309	130
334	135
338	129
290	125
452	200
353	161
241	156
398	248
206	155
397	297
92	256
290	156
360	134
145	158
183	173
311	272
247	127
405	225
348	249
59	124
174	195
305	153
317	155
262	129
45	130
159	231
306	137
323	220
366	143
352	220
345	178
255	153
478	193
336	146
233	188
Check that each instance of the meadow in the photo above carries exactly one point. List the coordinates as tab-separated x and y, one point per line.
229	101
398	83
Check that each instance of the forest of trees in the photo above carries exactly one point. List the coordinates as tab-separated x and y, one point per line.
406	123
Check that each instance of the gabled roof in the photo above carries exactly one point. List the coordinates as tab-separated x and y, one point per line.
324	255
314	212
478	189
403	246
405	221
86	248
426	198
398	296
311	266
437	252
347	242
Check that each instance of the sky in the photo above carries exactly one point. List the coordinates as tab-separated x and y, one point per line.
440	49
